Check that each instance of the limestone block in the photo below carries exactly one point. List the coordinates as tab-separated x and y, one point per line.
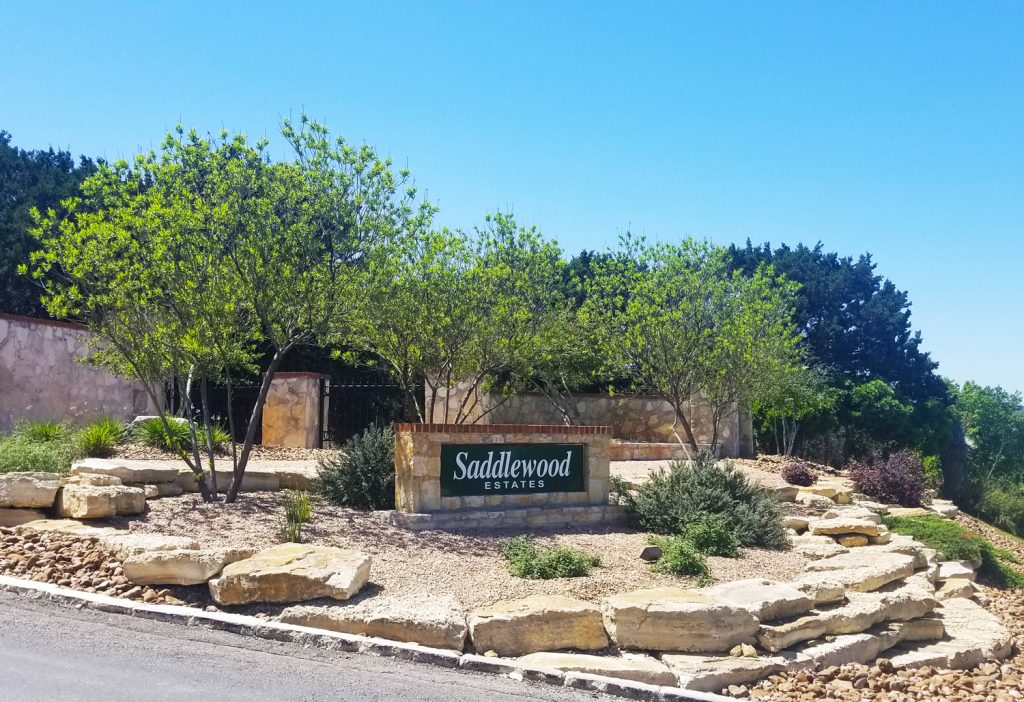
125	544
86	502
13	516
852	540
28	489
767	600
714	673
844	525
955	587
797	524
675	619
972	636
292	573
637	668
850	648
128	500
853	512
429	620
94	479
897	511
859	574
949	570
815	547
179	566
537	623
134	472
945	509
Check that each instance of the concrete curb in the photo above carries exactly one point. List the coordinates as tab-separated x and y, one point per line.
334	641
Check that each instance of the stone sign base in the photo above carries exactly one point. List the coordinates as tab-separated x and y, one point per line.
567	517
515	464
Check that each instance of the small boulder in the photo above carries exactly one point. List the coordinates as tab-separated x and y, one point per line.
796	523
767	600
537	623
949	570
852	540
675	619
179	566
637	668
292	573
127	471
843	525
429	620
32	490
650	553
86	502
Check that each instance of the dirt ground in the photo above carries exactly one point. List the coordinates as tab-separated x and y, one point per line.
466	565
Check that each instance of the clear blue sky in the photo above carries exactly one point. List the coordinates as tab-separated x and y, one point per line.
893	128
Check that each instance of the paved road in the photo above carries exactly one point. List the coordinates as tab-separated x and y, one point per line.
49	652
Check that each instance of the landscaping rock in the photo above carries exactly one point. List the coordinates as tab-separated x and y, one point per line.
185	566
880	540
852	540
124	544
767	600
853	512
850	648
860	574
713	673
814	501
816	547
127	472
650	553
11	517
28	489
844	525
429	620
637	668
94	479
949	570
797	524
292	573
897	511
86	502
973	636
945	509
674	619
955	587
129	500
67	526
537	623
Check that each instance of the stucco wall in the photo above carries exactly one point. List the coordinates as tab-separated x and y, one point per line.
42	377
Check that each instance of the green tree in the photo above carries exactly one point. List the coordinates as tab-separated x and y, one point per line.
993	421
797	394
464	312
185	262
29	179
679	322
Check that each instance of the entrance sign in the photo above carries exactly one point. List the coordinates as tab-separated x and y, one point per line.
512	469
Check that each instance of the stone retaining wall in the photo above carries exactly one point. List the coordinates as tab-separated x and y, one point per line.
418	477
43	378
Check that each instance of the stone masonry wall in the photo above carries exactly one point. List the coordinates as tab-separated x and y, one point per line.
418	465
291	416
631	417
42	377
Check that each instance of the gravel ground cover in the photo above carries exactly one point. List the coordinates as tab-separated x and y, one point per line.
467	565
136	451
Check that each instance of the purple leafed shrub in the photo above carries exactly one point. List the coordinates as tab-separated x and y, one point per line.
798	474
898	478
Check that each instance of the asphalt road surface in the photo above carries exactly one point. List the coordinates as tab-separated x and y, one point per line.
59	654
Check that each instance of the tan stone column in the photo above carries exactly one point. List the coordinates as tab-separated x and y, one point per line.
291	415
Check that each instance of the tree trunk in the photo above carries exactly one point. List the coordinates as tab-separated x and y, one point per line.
208	430
231	426
197	470
687	429
254	422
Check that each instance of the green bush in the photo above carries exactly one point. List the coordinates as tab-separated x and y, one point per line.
153	433
679	556
526	561
1002	504
100	437
671	501
713	537
297	511
362	473
17	454
41	432
956	543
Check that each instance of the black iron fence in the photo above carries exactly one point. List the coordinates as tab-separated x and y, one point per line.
357	398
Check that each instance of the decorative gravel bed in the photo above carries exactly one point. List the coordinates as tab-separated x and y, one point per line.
135	451
466	565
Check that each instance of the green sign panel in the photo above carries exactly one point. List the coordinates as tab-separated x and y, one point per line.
511	469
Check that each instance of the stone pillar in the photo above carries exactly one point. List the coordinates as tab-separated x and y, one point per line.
746	427
291	415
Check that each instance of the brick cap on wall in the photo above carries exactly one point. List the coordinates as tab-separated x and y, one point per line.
503	429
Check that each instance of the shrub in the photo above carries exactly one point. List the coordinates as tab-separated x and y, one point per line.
99	438
671	501
1002	504
713	537
679	556
41	432
362	473
799	474
526	561
17	454
898	478
153	433
297	511
956	543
